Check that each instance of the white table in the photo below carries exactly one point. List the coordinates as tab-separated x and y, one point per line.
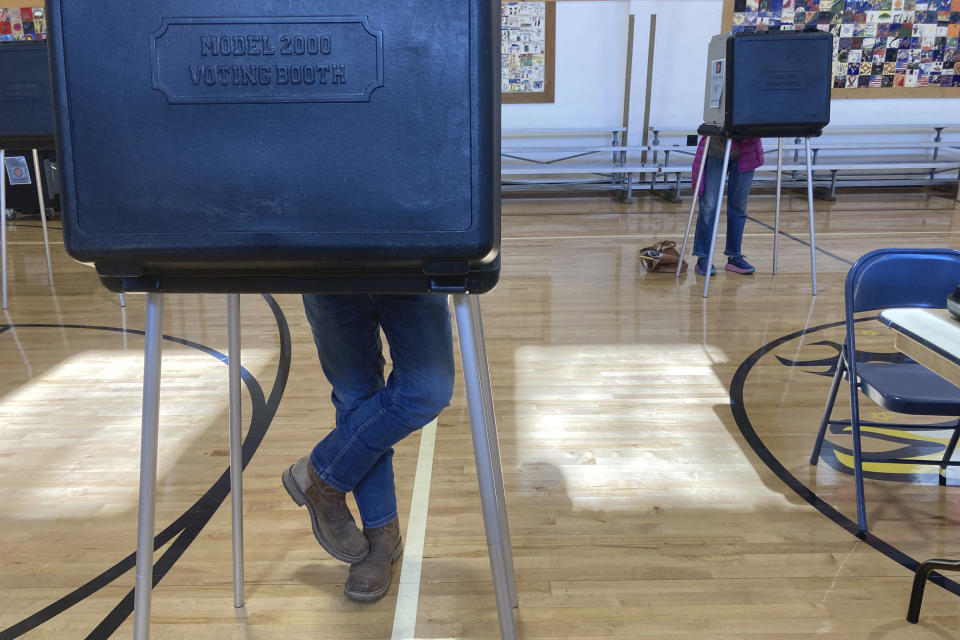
929	336
932	338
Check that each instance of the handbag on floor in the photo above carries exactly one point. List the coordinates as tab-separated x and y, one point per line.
662	258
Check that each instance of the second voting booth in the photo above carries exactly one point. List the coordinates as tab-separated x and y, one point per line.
773	84
231	147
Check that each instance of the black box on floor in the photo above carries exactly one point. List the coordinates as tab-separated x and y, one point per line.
771	84
349	145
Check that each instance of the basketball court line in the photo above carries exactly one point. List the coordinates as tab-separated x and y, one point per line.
408	594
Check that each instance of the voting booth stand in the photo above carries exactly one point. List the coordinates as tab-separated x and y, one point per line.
771	84
238	147
27	123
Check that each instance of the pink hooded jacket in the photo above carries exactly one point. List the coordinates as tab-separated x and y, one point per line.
751	156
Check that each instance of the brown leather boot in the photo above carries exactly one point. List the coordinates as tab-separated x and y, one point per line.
333	524
369	580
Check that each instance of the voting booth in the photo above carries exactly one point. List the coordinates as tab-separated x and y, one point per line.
26	126
347	146
239	146
772	84
27	121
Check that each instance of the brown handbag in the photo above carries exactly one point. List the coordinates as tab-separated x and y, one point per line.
662	258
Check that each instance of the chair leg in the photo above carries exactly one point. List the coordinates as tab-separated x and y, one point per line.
920	581
857	455
834	387
949	453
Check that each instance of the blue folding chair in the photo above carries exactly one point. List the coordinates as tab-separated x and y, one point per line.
883	279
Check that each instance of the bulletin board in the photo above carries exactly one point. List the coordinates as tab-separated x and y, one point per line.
881	48
528	37
22	23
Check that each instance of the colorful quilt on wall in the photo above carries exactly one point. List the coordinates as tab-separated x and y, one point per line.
877	43
23	23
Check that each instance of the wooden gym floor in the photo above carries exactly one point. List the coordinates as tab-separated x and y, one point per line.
655	456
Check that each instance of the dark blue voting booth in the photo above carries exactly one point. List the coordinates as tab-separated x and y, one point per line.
344	146
26	122
233	147
773	84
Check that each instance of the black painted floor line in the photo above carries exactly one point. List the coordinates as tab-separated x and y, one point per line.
746	428
185	529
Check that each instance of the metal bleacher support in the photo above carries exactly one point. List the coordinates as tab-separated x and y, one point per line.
561	159
912	156
539	159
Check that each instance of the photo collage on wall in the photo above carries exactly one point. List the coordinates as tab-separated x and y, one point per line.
877	43
523	46
23	23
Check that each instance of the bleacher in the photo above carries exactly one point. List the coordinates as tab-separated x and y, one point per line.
597	159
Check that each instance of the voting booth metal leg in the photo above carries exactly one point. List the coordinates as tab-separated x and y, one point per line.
483	430
490	417
716	217
236	442
43	214
150	428
693	205
813	238
776	223
3	229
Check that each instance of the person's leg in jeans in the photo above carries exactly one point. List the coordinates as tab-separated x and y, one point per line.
373	414
738	190
708	207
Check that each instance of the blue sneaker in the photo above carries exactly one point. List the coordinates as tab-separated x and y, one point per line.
739	265
701	268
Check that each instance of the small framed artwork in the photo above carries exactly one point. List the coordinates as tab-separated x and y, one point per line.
528	44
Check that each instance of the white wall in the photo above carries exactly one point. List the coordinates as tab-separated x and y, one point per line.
591	52
591	55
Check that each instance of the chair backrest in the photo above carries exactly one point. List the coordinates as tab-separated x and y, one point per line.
889	278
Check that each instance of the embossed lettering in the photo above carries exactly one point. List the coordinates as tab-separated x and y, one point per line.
237	75
249	74
305	73
255	45
208	46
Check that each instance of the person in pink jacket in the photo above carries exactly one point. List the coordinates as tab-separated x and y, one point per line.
745	156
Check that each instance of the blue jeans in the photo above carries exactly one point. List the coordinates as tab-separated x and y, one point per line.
373	415
738	189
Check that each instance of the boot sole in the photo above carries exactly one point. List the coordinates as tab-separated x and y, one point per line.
297	495
373	596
